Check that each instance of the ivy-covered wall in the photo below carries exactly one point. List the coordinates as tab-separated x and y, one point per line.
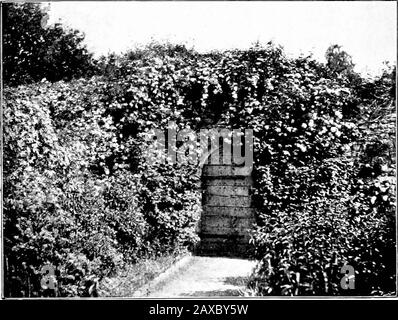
79	194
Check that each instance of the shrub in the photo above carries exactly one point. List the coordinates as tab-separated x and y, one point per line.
81	193
78	193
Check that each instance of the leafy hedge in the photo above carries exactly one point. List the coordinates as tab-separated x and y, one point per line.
324	172
80	193
324	177
33	50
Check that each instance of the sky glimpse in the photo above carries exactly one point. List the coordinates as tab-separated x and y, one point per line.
366	30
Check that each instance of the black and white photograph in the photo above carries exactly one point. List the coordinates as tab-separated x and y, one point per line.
211	150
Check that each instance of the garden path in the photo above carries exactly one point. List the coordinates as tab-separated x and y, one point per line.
196	276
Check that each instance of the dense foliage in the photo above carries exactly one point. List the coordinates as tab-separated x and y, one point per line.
325	160
325	184
77	191
33	51
81	191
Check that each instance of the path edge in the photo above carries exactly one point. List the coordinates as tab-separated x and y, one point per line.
144	290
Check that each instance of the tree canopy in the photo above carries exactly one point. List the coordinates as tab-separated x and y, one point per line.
33	51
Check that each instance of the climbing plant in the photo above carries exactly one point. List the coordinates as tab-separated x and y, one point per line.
80	194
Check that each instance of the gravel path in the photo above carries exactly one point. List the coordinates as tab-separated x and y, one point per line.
201	277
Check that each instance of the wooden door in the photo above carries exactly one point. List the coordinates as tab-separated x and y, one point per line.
227	213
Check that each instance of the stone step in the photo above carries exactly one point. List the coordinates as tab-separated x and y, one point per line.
226	181
218	246
226	225
226	170
226	201
227	190
221	211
